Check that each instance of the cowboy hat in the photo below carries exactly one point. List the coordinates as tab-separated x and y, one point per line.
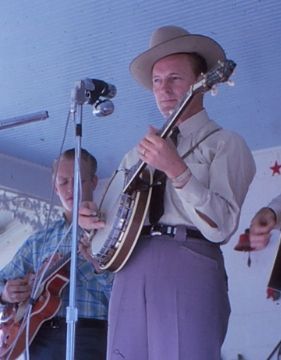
169	40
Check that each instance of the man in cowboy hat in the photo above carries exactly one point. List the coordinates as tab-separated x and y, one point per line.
170	301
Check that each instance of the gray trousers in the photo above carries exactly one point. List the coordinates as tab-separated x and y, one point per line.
50	344
169	302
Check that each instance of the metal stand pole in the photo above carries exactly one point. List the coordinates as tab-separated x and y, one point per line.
71	310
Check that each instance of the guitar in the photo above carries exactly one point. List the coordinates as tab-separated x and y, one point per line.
126	199
45	306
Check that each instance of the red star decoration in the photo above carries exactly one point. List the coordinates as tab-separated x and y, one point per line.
275	168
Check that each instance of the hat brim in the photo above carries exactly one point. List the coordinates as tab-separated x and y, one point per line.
209	49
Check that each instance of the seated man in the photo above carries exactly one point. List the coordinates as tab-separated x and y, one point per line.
92	289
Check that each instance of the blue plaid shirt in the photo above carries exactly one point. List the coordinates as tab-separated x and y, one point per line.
92	289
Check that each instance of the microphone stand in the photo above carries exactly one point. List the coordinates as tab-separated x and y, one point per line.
78	99
274	351
85	91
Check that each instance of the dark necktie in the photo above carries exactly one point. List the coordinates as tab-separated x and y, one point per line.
156	208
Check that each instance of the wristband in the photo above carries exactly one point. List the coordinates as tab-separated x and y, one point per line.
182	179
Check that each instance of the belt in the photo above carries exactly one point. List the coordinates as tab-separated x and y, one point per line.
60	322
161	229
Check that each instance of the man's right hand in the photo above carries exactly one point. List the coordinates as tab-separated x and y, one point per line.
17	290
88	217
261	225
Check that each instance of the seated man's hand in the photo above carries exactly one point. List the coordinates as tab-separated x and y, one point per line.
88	217
17	290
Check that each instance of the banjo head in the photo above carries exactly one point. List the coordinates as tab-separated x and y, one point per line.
108	209
124	214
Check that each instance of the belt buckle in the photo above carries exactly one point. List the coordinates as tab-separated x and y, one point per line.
155	230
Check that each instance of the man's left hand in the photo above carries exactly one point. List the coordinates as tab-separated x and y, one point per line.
161	154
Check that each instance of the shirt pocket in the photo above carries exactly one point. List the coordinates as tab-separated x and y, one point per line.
202	254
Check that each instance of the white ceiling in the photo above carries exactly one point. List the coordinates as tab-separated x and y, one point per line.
47	45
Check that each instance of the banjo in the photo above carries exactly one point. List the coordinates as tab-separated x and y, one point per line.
126	199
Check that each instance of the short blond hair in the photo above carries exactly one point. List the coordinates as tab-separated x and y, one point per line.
85	155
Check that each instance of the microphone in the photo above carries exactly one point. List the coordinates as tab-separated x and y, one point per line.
23	119
97	88
91	91
103	108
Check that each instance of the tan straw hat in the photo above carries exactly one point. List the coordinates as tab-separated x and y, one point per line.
169	40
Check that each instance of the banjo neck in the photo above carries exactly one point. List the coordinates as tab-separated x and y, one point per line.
164	133
220	73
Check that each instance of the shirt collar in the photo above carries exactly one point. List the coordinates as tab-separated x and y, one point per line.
194	123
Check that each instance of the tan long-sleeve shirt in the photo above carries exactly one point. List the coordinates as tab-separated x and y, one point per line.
222	168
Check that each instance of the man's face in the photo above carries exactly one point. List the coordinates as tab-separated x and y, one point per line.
172	77
65	179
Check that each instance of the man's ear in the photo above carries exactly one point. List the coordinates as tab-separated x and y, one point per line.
94	181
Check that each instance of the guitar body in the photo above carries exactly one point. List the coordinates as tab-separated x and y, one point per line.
13	332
